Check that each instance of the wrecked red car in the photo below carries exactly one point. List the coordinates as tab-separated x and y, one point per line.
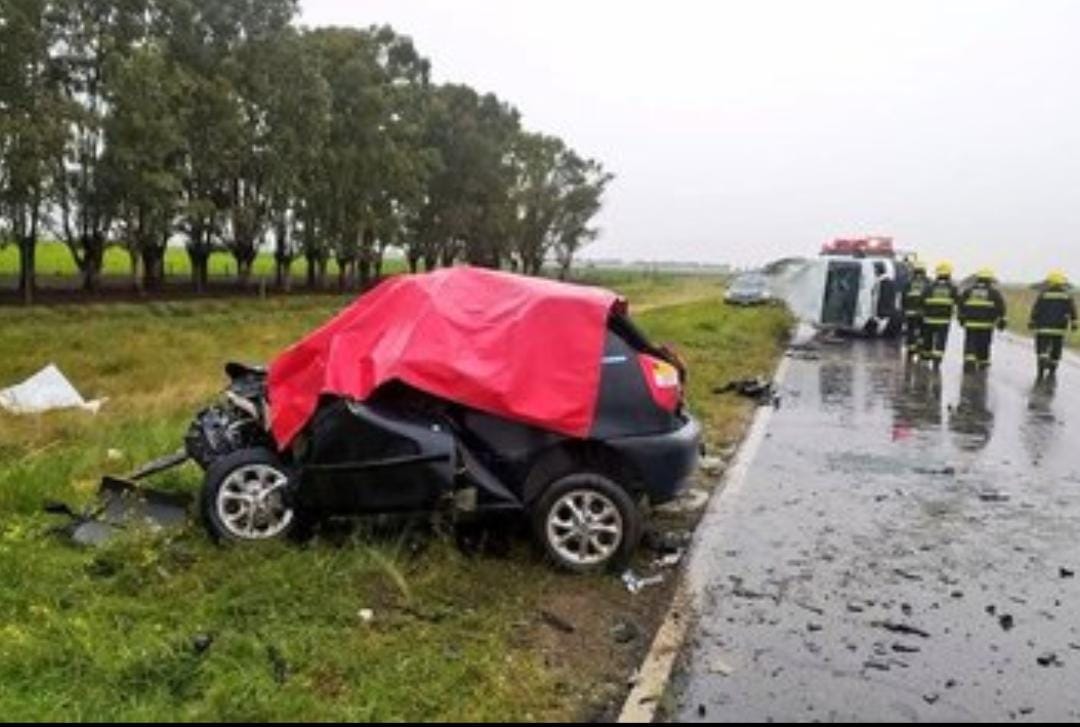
465	389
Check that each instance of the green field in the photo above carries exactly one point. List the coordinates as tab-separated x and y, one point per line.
111	634
54	260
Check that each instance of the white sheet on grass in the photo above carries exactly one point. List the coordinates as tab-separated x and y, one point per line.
46	390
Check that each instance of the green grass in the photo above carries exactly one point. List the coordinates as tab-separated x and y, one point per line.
110	634
1020	301
54	259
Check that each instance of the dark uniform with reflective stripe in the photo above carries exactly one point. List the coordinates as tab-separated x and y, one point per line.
913	312
939	302
981	309
1051	318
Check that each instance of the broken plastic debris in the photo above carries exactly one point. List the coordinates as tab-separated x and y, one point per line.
711	465
718	666
635	584
693	500
366	615
671	560
46	390
122	505
760	390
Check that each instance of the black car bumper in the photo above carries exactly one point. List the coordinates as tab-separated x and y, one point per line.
664	462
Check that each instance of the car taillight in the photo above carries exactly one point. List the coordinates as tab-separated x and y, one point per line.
664	382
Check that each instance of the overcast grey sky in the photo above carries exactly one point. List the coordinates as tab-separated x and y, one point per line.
744	131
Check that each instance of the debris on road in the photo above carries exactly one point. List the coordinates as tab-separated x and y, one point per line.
666	542
712	466
898	628
47	390
907	576
718	666
691	501
671	560
636	584
1048	660
625	632
760	390
936	471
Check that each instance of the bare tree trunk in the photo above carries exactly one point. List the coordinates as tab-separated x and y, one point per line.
93	258
28	268
244	262
283	275
153	259
311	271
447	256
198	250
136	283
200	264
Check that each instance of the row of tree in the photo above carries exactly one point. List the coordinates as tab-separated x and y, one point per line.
139	122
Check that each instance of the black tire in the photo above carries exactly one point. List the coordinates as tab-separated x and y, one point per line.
609	498
256	467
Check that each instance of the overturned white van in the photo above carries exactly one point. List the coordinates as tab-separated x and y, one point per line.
854	287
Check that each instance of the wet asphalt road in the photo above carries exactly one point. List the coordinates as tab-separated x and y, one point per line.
902	549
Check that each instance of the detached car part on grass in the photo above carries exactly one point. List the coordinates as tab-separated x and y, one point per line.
465	390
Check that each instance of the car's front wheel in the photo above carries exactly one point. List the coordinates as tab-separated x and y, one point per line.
245	497
587	523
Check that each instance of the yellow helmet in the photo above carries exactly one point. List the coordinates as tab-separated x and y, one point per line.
944	269
985	274
1057	278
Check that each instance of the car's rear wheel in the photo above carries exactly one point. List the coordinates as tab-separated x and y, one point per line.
585	523
245	497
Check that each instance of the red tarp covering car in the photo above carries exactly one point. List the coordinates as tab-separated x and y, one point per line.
521	348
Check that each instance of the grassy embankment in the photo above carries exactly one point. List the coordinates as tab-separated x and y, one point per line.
111	634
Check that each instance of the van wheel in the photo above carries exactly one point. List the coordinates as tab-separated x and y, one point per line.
245	498
586	523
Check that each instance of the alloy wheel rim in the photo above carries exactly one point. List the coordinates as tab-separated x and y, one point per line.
251	503
584	527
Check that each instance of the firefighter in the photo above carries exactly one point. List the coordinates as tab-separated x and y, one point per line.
939	304
981	309
1053	315
913	308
